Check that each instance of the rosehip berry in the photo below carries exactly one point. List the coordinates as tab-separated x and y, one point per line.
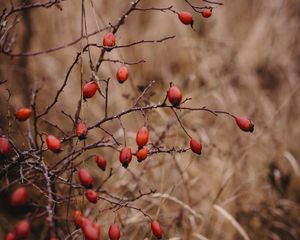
174	96
156	230
186	18
244	124
10	236
23	114
84	222
81	131
142	137
109	40
101	162
91	195
23	229
196	146
142	154
206	12
18	197
125	156
122	74
77	217
53	143
4	146
89	89
85	177
114	232
91	232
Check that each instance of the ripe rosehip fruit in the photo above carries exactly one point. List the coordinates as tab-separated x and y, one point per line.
84	222
114	232
77	217
244	124
23	114
85	177
101	162
174	96
125	156
142	137
91	232
10	236
156	230
4	146
186	18
18	197
23	229
109	40
91	195
89	89
53	143
206	12
196	146
122	74
81	131
142	154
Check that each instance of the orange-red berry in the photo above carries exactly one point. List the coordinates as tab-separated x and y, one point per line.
85	177
77	217
101	162
23	114
174	96
206	12
122	74
84	222
244	124
10	236
114	232
91	232
81	130
156	230
142	154
18	197
53	143
142	137
23	229
196	146
89	89
109	40
4	146
91	195
186	18
125	156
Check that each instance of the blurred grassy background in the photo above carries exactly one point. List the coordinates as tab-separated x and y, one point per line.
244	59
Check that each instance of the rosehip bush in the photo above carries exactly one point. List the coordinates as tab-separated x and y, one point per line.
52	172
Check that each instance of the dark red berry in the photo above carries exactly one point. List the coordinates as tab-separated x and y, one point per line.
174	96
142	154
23	114
244	124
81	130
85	177
4	146
122	74
114	232
206	12
92	196
101	162
142	137
125	156
109	40
196	146
89	89
53	143
18	197
156	230
186	18
23	229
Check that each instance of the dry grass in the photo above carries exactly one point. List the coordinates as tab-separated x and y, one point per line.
245	59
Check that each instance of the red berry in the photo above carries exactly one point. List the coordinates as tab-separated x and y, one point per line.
53	143
156	230
174	96
186	18
114	232
101	162
10	236
84	222
196	146
23	114
91	232
206	12
23	229
122	74
81	130
18	197
85	177
89	89
142	154
245	124
77	217
109	40
4	146
125	156
91	195
142	137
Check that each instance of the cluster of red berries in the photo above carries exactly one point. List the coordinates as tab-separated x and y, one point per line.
187	18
